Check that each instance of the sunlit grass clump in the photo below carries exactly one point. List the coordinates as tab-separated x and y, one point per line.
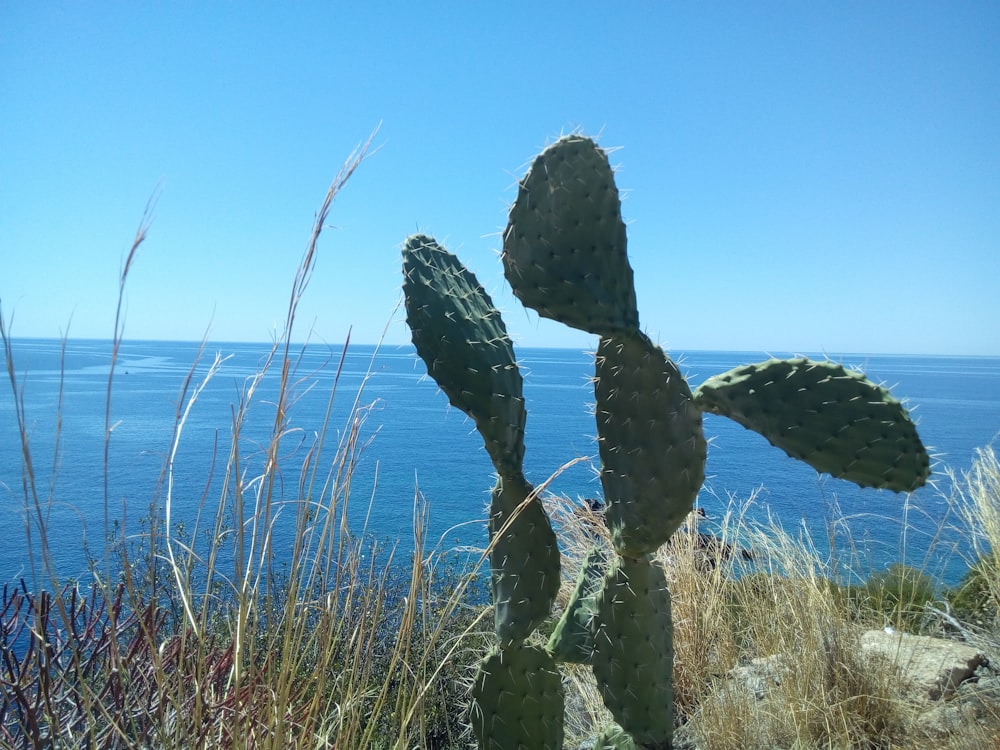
768	631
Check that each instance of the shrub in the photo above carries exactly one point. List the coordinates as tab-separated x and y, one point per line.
896	596
973	599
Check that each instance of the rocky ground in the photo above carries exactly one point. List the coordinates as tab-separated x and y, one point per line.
951	688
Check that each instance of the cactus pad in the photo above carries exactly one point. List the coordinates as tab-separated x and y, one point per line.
524	561
651	443
564	247
613	737
633	651
463	341
518	700
564	255
834	419
572	638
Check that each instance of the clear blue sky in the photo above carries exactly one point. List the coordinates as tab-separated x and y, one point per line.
800	176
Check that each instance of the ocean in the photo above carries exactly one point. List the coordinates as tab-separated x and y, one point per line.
413	442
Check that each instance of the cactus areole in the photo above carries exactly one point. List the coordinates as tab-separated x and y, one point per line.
564	256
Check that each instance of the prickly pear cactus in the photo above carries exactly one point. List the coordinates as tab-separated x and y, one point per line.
572	639
613	737
564	255
463	341
565	242
524	561
564	248
502	716
834	419
633	657
650	440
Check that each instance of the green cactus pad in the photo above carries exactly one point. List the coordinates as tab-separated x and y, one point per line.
834	419
633	651
613	737
564	250
463	341
572	639
524	561
518	700
650	440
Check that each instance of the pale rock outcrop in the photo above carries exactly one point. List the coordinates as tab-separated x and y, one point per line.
933	666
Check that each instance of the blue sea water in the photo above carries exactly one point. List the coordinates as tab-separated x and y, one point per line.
414	442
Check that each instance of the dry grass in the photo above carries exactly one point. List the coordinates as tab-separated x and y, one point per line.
199	640
818	691
785	612
978	499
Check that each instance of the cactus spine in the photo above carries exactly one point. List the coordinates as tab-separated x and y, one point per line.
564	255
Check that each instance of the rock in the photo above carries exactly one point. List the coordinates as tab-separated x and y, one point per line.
934	666
952	689
761	674
977	701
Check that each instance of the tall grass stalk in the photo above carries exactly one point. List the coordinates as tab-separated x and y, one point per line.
978	497
215	637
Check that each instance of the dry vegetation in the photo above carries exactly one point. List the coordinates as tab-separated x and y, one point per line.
788	609
162	649
198	638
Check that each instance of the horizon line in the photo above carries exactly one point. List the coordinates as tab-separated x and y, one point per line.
318	342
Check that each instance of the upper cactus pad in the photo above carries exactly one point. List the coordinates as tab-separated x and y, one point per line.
834	419
564	247
463	341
